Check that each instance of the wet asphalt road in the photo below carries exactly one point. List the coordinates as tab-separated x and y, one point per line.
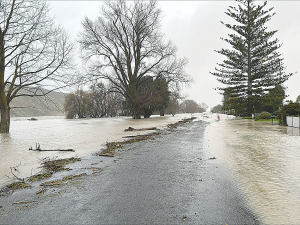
169	180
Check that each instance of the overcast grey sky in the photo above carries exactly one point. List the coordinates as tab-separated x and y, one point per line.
195	28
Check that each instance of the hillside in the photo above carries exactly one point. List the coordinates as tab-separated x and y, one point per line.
32	107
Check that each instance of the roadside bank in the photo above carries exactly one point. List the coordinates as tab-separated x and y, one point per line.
169	179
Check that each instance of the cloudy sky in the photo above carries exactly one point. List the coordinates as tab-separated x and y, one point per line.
195	28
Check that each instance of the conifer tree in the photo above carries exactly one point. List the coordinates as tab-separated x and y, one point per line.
253	66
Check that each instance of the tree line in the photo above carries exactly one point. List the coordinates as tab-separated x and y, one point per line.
125	48
101	101
98	101
94	103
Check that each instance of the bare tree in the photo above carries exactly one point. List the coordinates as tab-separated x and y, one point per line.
125	44
34	53
98	100
77	105
190	106
204	106
95	103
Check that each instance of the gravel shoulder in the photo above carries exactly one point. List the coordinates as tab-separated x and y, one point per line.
167	180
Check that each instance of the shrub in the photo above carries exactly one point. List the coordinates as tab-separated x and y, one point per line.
247	117
292	109
263	116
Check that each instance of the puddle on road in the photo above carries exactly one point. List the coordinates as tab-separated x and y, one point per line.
264	160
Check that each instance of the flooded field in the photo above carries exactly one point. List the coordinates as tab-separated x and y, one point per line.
264	159
86	136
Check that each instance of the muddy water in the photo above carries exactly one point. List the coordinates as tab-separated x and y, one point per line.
263	159
86	136
265	162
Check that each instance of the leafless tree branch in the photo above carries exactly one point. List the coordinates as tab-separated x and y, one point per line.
125	44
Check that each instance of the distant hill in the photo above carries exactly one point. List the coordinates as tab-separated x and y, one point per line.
33	106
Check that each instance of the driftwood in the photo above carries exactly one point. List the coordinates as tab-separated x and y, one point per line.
38	148
32	119
53	150
106	155
133	129
131	136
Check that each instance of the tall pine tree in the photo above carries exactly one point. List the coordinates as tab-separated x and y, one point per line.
253	66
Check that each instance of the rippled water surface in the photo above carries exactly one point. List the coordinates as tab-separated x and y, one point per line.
265	162
84	135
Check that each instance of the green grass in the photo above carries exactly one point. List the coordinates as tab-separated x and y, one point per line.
269	120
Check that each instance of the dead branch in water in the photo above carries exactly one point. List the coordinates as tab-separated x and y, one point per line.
38	148
16	169
133	129
53	150
106	155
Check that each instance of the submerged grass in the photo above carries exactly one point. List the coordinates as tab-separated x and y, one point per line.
39	176
50	167
181	122
18	185
111	147
53	183
74	177
58	183
14	186
58	165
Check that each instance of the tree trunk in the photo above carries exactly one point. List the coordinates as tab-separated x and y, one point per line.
4	106
136	112
147	113
249	107
136	115
5	119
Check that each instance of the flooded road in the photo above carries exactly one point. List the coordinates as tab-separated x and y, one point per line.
264	159
86	136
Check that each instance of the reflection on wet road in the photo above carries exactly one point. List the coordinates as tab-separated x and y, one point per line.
265	162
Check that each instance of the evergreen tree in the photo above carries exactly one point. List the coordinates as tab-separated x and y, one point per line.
298	99
273	100
253	66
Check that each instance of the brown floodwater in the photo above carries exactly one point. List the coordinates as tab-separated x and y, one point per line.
85	136
264	160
